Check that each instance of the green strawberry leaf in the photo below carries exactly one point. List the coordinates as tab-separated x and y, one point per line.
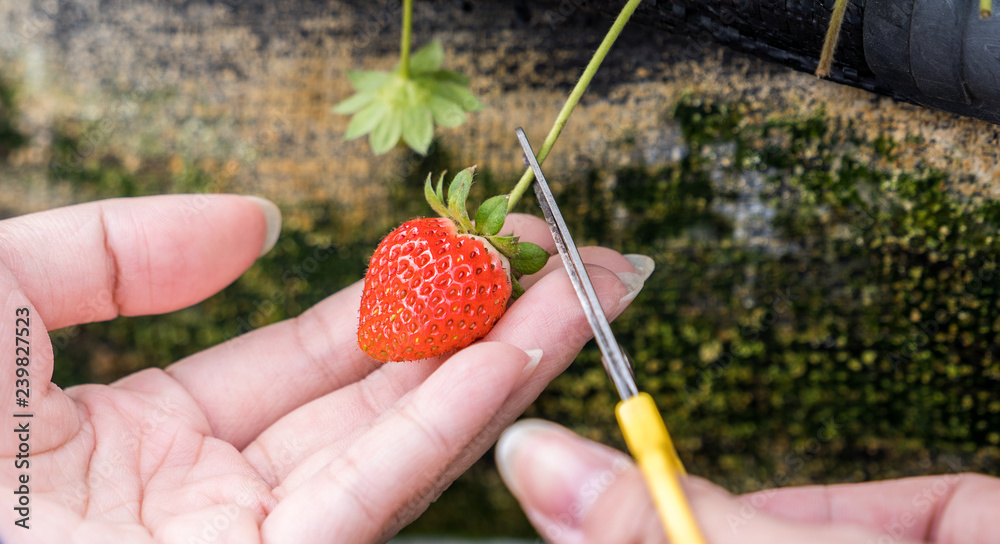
428	58
365	121
368	80
450	76
433	199
418	128
530	258
507	245
446	113
440	188
387	133
457	94
355	103
458	193
491	215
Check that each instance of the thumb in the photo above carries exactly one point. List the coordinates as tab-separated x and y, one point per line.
575	491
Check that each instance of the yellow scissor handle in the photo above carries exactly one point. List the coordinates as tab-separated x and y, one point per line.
650	444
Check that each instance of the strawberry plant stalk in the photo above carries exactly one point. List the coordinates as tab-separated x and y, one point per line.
574	99
404	46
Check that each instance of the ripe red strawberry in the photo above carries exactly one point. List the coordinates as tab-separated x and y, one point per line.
438	284
430	290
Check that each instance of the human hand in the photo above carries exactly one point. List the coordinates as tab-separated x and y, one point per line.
576	491
289	433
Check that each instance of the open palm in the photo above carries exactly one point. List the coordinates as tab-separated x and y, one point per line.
286	434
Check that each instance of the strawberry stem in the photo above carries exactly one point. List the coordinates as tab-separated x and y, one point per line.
574	98
404	46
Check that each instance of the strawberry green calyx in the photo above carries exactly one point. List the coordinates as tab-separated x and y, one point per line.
524	257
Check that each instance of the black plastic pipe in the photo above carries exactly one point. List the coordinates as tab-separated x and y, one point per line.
936	53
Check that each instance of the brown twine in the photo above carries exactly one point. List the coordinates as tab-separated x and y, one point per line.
832	34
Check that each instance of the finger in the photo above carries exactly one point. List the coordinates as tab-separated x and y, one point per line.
639	267
550	314
220	524
547	317
286	364
950	507
577	491
134	256
393	471
309	438
556	493
293	362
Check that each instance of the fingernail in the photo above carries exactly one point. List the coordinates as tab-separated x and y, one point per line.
635	280
555	474
643	264
273	217
534	357
634	283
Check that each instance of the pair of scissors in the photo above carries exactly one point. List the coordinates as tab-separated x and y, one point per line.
640	421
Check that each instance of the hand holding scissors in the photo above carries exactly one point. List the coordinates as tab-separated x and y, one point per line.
640	421
575	491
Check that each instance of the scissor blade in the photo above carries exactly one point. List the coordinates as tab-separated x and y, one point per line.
615	362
